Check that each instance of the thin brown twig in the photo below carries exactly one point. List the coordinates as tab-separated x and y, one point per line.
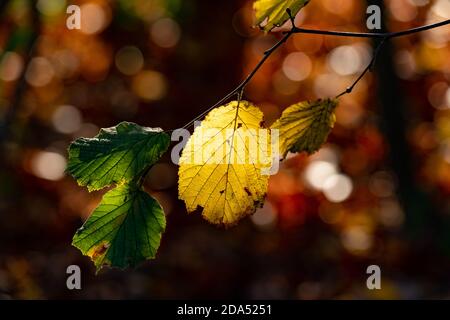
384	36
368	68
243	84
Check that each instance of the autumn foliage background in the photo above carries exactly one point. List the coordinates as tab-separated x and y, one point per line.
376	193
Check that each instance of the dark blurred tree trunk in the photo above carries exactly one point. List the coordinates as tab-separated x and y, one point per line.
423	221
6	125
3	4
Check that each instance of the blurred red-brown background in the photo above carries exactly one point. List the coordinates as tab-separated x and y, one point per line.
376	193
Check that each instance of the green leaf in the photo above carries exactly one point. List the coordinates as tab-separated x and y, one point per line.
116	155
272	13
124	230
305	126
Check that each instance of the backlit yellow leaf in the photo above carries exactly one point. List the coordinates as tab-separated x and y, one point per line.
305	126
224	166
272	13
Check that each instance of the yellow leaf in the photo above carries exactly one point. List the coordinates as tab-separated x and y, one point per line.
305	126
273	12
224	165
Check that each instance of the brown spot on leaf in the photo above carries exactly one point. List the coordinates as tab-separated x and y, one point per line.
99	250
248	191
